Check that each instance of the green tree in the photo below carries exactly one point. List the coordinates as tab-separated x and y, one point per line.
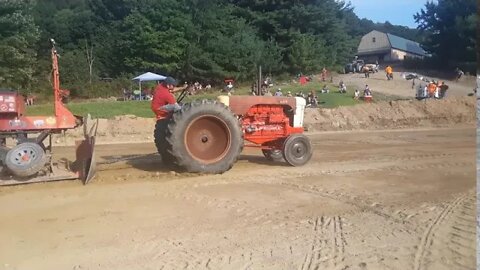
450	28
18	37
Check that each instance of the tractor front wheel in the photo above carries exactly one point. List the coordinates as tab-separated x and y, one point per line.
297	150
26	159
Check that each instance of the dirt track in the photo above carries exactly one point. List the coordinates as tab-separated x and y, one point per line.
401	87
367	200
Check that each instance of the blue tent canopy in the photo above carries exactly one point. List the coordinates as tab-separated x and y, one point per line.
149	76
146	77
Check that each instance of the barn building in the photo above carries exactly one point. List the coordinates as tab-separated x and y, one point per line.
384	47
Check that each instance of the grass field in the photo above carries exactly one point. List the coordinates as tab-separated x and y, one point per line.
109	109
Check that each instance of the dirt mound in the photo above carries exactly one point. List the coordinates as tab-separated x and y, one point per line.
125	128
382	115
394	114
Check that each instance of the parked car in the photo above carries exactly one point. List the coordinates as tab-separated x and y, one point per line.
372	68
354	67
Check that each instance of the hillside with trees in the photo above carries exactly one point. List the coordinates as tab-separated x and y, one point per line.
103	43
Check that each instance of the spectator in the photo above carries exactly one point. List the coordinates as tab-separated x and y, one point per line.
342	87
442	89
278	93
267	93
289	94
312	100
420	92
367	88
229	86
126	94
324	74
325	89
366	71
367	95
459	74
137	94
367	92
432	87
389	71
356	95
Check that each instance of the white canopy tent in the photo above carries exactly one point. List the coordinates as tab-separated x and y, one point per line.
147	77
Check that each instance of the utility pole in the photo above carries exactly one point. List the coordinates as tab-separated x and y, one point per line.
259	83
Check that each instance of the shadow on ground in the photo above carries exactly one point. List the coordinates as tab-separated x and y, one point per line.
153	162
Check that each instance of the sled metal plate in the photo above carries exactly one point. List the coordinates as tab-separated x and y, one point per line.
10	181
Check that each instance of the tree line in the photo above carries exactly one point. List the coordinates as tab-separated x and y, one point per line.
206	40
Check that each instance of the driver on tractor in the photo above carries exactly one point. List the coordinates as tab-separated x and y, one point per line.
163	105
163	102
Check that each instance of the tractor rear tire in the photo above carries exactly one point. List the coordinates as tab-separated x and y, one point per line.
161	142
26	159
273	154
205	137
297	150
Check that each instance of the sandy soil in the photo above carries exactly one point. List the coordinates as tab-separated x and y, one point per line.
367	200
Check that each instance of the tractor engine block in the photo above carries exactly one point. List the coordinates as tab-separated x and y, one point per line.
265	121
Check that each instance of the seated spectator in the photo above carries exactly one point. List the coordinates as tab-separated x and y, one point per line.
343	88
289	94
137	94
278	93
325	89
229	86
356	95
367	95
312	100
301	94
367	92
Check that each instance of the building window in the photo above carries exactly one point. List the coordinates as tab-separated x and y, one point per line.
373	40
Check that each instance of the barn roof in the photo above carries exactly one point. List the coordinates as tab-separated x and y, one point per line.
405	45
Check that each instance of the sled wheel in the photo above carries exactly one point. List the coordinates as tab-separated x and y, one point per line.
26	159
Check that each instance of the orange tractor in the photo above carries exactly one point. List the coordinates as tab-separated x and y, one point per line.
29	158
209	136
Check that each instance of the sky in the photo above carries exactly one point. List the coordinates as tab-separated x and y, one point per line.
397	12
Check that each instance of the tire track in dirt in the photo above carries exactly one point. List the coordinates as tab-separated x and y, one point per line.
336	195
352	201
460	235
279	177
328	245
460	228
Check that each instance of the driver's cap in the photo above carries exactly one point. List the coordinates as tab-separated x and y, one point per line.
170	80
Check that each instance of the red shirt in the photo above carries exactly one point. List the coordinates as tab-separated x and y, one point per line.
161	97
